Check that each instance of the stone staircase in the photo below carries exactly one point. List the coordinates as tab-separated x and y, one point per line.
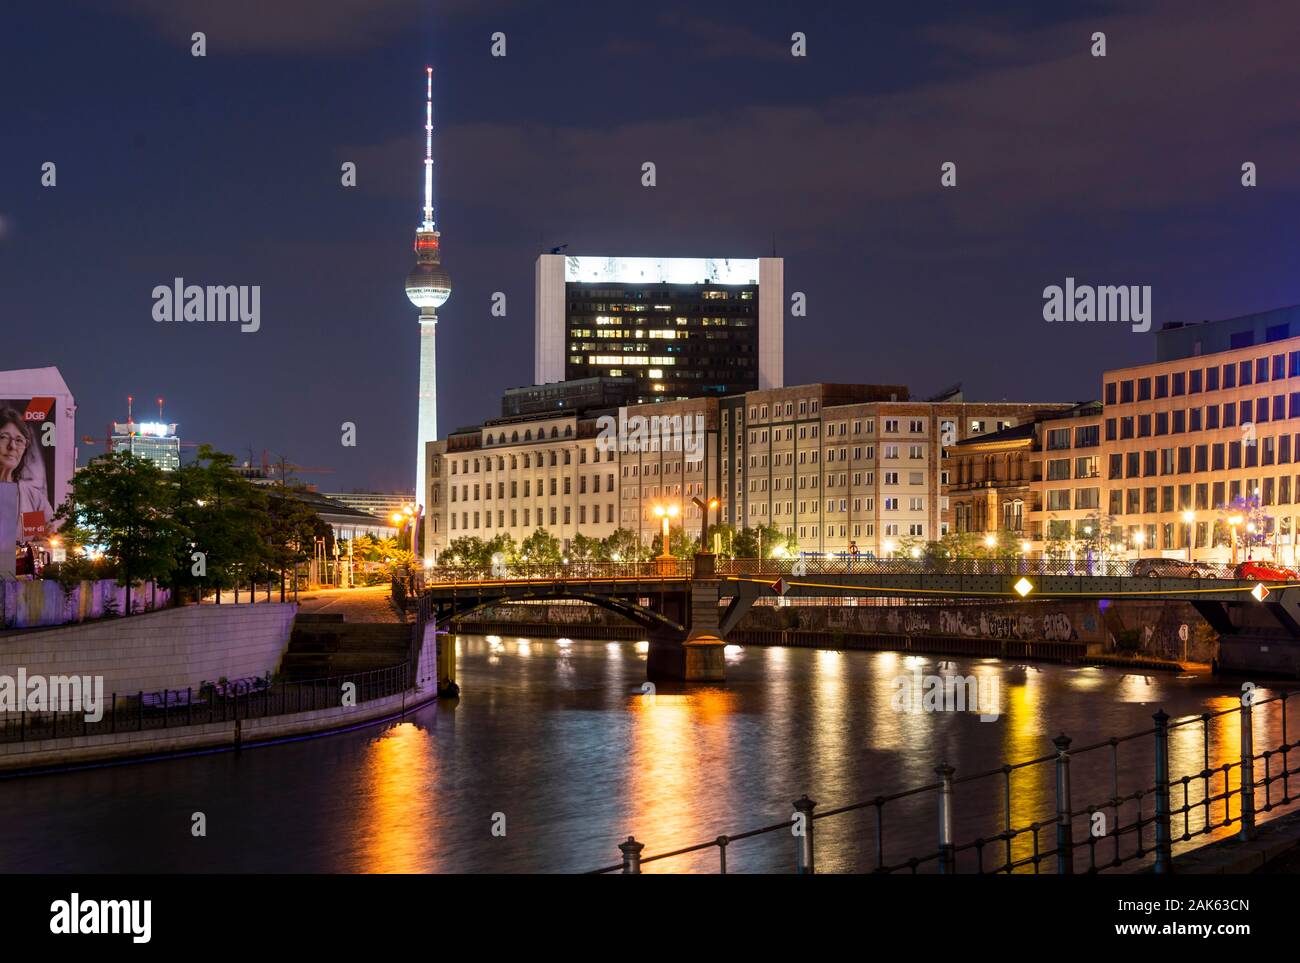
325	645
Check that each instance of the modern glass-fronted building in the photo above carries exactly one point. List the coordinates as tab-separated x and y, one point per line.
680	327
156	441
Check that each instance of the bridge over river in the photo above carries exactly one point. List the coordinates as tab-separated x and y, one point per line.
688	607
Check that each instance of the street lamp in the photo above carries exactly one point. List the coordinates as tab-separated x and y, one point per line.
1138	539
666	512
704	508
1189	517
1233	522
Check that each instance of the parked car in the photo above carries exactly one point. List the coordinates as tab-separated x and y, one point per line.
1259	571
1173	568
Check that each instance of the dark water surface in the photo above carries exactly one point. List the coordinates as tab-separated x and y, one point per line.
557	744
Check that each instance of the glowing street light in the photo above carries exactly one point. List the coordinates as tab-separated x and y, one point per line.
1139	538
1189	517
1233	522
667	513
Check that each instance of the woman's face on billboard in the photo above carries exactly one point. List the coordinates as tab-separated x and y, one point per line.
13	444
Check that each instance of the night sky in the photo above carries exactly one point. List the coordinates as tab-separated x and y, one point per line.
226	170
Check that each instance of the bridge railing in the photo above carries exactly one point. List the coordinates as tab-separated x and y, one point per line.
560	571
847	565
1123	801
836	565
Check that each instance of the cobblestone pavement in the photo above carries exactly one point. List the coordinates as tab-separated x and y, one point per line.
371	603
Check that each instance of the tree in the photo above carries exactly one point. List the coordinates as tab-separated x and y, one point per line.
121	504
468	550
290	526
623	545
583	548
540	548
959	544
1256	526
222	515
723	536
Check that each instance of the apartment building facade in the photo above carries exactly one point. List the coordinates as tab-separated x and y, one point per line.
1178	444
515	475
845	466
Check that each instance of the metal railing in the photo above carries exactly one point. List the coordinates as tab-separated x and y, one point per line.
1116	826
561	571
837	565
1085	567
210	702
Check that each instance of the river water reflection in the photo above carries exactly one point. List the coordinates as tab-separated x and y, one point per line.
554	753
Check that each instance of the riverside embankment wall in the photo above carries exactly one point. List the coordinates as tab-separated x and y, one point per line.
166	649
27	603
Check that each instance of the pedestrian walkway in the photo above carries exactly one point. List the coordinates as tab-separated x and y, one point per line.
371	603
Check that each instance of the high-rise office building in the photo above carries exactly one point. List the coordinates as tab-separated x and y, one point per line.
155	441
681	327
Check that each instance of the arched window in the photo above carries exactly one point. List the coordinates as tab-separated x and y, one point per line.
514	436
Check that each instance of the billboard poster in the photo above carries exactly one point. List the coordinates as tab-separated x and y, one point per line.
28	443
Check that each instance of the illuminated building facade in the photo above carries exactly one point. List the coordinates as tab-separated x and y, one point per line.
155	441
681	327
1179	447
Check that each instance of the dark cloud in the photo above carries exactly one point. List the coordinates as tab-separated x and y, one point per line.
1056	136
295	26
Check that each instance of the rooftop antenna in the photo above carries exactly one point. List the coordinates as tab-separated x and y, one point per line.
129	399
160	414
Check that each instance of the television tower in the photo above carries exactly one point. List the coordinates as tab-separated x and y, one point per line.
428	287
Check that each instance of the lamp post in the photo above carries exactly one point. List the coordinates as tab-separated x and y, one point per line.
1189	517
1138	538
667	513
704	508
1233	522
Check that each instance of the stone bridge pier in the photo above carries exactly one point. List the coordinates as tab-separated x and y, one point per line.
698	657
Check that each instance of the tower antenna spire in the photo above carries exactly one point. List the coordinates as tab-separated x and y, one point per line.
428	149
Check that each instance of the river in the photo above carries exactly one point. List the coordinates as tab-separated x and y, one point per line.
554	753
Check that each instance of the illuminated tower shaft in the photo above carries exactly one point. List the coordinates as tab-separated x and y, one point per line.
427	427
428	288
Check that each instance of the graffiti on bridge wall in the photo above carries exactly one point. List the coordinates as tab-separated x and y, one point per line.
1055	626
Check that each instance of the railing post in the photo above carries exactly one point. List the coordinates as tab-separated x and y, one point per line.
1247	766
1164	842
1064	830
804	863
947	854
631	851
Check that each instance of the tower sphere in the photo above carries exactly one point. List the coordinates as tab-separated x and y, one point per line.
428	285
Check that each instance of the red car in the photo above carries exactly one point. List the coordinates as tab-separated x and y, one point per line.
1256	571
